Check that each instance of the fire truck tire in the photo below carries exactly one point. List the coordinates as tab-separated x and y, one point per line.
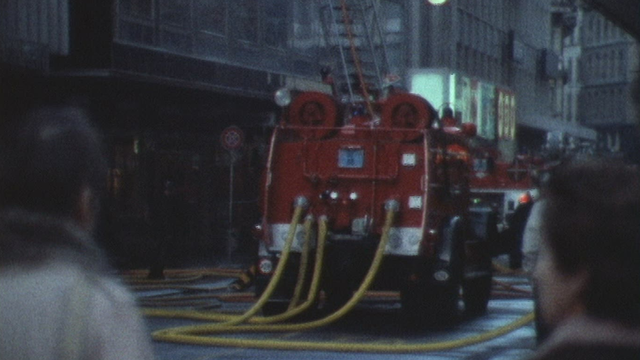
406	112
476	294
438	303
315	113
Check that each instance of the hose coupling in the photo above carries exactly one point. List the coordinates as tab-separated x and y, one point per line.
392	205
301	202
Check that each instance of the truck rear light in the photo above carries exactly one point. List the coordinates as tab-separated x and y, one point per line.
409	160
353	196
265	266
257	232
360	226
415	202
525	198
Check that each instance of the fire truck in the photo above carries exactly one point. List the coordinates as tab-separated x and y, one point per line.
505	191
338	161
385	183
500	184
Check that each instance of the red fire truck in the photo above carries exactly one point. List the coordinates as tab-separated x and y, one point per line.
500	184
350	163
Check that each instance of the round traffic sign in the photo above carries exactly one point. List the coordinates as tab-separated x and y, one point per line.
232	138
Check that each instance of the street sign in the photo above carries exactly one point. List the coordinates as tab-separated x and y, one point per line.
232	138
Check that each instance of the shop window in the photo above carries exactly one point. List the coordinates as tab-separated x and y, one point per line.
123	179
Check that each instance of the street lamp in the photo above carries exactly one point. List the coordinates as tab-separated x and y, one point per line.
437	2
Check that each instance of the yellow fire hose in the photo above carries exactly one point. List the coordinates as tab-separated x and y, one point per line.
313	290
181	332
342	347
277	274
196	334
315	280
304	261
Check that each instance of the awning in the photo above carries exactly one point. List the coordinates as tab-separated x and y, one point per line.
550	125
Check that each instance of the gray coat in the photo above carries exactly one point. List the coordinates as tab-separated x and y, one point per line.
587	338
57	300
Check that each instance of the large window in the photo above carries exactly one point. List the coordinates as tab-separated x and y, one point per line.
275	23
142	9
175	12
244	21
136	21
211	16
274	35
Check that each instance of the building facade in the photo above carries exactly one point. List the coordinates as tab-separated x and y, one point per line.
608	64
164	79
505	60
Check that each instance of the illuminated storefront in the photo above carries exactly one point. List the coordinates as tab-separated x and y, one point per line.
491	108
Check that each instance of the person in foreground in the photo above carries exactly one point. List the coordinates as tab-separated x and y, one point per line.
57	299
587	272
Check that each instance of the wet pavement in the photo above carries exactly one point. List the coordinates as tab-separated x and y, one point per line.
374	321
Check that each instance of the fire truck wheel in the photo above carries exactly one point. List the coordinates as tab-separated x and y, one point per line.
405	112
315	113
475	294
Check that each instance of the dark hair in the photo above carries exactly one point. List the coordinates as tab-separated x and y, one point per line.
48	156
447	112
593	225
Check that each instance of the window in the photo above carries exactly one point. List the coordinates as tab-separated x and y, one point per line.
142	9
621	64
135	21
307	31
244	20
592	29
276	26
211	16
175	12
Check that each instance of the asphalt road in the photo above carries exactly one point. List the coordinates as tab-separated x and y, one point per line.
375	321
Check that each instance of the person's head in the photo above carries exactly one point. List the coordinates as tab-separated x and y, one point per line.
589	256
447	112
52	162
